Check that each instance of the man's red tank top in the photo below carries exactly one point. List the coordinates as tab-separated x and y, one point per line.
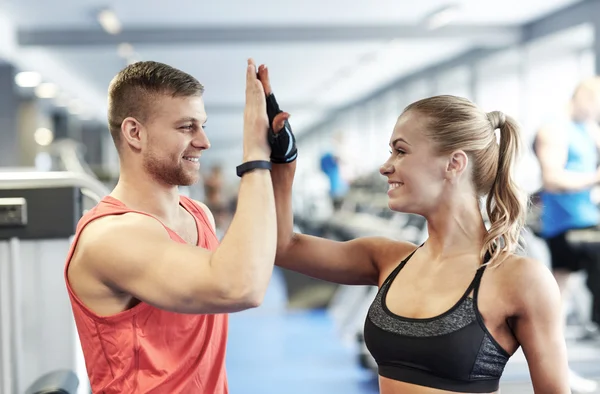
145	349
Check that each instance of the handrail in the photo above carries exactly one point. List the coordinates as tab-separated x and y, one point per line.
37	179
69	151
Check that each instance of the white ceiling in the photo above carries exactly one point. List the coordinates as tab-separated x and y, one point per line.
38	13
309	78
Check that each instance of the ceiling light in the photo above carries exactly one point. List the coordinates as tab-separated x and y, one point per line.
43	136
28	79
46	90
109	22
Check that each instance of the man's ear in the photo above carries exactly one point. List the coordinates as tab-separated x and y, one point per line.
131	132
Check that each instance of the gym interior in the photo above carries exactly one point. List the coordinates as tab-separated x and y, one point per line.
344	73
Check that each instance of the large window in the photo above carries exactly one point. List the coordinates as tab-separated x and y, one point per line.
416	90
587	63
532	83
550	86
456	81
554	68
358	141
384	113
498	83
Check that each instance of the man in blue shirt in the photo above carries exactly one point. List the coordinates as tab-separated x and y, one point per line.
567	149
330	165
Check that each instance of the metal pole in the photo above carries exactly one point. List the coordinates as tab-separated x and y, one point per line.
17	316
6	375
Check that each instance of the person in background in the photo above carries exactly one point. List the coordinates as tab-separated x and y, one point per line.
567	149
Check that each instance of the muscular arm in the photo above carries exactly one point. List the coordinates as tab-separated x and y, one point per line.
133	254
551	149
538	326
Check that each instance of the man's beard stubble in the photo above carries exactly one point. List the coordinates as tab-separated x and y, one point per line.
165	171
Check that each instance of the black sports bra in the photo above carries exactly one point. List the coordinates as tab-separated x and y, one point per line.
453	351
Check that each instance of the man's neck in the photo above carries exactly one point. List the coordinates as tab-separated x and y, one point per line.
147	195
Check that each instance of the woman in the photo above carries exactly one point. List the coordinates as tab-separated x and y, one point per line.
451	312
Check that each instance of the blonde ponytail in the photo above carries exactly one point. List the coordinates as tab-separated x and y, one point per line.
506	206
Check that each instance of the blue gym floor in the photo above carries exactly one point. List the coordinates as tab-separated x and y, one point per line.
274	351
291	353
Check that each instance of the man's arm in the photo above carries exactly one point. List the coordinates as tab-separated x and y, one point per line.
552	152
134	254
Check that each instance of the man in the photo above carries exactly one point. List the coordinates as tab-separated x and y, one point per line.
149	284
330	164
567	150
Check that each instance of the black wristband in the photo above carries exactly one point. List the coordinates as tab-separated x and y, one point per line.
252	165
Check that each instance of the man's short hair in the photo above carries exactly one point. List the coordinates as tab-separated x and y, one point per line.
134	89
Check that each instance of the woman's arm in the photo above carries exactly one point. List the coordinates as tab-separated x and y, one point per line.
539	325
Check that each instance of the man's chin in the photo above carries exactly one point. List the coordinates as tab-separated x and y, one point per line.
189	180
180	179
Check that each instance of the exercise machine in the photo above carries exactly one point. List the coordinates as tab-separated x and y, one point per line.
39	346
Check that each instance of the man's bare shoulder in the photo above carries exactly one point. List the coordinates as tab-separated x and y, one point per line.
104	250
113	232
120	223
